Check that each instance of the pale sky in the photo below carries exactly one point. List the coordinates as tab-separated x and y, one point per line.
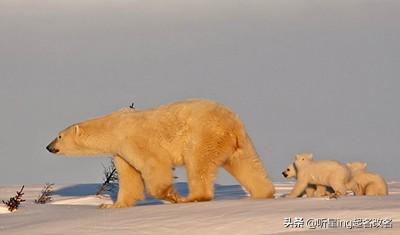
305	76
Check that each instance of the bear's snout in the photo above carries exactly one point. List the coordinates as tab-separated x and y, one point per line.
284	174
51	148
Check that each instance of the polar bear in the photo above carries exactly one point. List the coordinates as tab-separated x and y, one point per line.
325	172
366	183
311	190
201	135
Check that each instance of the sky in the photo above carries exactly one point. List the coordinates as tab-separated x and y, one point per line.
304	76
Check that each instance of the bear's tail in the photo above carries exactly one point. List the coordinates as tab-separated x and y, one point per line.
246	166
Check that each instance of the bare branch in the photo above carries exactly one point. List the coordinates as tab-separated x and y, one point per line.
45	195
15	201
110	177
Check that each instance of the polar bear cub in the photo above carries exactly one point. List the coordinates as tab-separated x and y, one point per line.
311	190
324	172
365	183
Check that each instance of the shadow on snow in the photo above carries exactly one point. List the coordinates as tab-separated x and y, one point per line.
221	192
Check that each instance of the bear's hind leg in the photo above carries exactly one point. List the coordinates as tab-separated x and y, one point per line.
158	179
321	191
210	152
310	190
201	175
247	168
375	189
371	190
131	186
339	187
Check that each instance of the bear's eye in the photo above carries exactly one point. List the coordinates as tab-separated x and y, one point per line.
59	137
288	169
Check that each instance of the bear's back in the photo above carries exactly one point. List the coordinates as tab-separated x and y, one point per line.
194	112
327	166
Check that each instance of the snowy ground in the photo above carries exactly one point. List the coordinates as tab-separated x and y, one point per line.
74	211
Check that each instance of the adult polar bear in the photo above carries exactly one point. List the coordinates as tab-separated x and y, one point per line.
199	134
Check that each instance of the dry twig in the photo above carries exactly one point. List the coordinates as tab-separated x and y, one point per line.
45	195
110	177
14	202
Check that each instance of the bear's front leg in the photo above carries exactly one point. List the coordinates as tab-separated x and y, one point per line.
131	187
298	188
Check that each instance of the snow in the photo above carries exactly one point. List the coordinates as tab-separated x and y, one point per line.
74	210
89	200
3	209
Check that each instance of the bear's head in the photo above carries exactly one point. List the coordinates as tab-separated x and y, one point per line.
357	166
290	171
91	137
77	140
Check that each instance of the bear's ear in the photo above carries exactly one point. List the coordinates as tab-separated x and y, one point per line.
310	156
298	157
348	164
364	165
78	130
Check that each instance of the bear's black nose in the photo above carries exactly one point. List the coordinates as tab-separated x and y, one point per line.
284	174
51	149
